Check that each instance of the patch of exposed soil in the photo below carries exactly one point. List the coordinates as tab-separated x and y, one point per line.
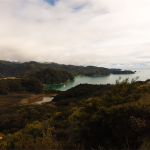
35	98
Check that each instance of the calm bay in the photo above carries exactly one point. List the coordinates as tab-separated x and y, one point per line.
110	79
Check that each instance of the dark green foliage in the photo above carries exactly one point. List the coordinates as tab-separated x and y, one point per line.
75	94
95	71
49	90
86	71
14	69
51	76
86	117
17	117
31	85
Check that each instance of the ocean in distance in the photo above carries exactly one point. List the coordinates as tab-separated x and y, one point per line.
110	79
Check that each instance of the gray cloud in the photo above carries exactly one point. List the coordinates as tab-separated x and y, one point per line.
79	32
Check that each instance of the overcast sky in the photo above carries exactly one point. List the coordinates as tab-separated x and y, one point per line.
105	33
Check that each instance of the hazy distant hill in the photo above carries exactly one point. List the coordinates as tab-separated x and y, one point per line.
122	72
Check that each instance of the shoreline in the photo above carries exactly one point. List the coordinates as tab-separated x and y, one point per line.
91	76
61	83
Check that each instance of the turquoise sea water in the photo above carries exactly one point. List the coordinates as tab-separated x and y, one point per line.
111	79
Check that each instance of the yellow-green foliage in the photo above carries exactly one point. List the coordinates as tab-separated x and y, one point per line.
145	87
29	138
46	141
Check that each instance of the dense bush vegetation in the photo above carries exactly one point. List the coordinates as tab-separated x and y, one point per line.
31	85
51	76
86	116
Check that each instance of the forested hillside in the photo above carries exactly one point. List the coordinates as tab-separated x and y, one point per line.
84	117
51	76
31	85
16	69
13	69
